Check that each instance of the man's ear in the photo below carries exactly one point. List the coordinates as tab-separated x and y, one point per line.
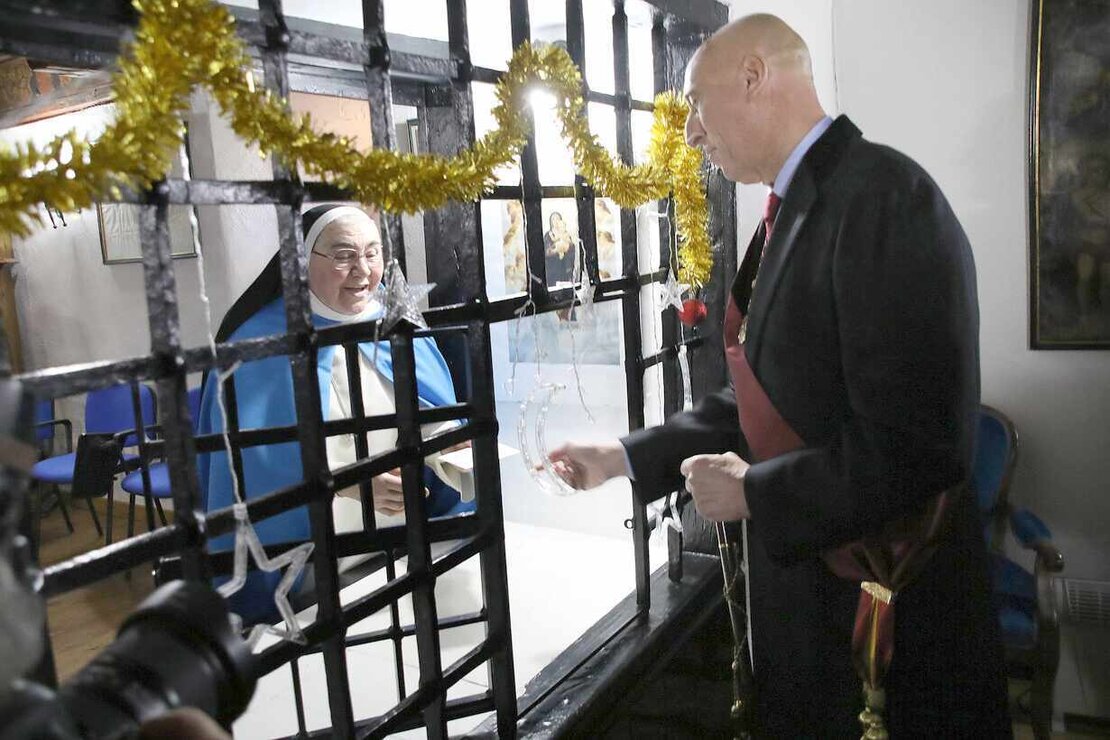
752	73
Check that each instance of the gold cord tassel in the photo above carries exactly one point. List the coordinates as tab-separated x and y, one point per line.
874	701
741	710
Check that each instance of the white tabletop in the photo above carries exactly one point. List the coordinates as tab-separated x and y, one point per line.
560	583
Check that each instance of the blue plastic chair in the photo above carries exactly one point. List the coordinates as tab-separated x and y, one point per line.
45	434
45	423
108	411
1028	613
158	472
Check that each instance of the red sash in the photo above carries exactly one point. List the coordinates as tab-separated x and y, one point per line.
883	565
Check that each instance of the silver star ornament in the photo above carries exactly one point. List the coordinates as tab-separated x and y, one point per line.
247	545
402	301
671	292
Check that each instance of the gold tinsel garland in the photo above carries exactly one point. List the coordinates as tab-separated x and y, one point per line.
183	43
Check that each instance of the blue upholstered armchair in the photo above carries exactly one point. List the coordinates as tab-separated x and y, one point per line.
1027	605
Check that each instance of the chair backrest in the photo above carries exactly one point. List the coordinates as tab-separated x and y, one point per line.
193	398
109	410
44	411
996	447
95	465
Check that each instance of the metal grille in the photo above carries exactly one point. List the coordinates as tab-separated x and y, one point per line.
460	311
1088	601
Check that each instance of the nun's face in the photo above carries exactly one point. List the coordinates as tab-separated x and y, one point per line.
346	264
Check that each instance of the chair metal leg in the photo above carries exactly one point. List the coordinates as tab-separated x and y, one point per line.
64	509
95	518
148	502
1040	709
130	528
1044	684
130	515
34	522
111	518
161	512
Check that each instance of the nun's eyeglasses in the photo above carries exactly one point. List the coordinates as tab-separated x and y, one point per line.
345	259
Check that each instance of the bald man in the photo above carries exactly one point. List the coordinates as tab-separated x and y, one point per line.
851	335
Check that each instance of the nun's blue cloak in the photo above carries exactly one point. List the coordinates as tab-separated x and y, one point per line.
264	391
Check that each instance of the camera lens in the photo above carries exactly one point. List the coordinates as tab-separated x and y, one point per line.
177	649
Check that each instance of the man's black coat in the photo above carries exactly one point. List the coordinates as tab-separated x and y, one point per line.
863	332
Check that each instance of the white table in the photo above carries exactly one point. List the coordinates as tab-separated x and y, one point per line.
560	583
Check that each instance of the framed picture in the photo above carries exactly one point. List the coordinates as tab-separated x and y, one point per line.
120	235
1069	110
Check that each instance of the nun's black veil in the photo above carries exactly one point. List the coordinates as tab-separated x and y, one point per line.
267	286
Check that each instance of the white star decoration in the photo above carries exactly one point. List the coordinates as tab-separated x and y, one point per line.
671	292
584	297
247	543
402	301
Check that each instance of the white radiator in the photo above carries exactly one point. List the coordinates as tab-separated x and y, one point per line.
1088	602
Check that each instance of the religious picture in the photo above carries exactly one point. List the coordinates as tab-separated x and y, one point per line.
558	251
588	336
560	241
1070	209
608	225
512	248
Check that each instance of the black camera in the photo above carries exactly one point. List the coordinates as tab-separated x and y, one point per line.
178	649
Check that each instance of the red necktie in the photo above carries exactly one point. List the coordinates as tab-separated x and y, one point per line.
770	210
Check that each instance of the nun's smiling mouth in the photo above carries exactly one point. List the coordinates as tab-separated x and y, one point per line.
359	290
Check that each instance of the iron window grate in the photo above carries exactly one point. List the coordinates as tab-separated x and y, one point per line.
462	306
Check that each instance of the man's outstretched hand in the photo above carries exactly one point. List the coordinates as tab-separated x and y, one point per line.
585	466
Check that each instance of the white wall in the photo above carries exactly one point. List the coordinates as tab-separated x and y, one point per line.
946	82
73	308
812	20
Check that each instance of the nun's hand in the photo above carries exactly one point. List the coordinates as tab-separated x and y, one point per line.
388	496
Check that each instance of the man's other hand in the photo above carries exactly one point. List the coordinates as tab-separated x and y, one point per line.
590	465
717	485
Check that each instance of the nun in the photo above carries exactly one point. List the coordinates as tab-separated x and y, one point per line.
344	278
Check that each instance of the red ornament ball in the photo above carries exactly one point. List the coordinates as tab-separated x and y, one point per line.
693	312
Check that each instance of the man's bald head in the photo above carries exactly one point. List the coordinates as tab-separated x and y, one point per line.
750	89
763	35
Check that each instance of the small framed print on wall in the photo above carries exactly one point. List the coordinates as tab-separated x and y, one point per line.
120	237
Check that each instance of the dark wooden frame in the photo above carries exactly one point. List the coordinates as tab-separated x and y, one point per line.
1053	262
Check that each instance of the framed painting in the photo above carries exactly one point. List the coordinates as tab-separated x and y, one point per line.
120	238
1069	112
